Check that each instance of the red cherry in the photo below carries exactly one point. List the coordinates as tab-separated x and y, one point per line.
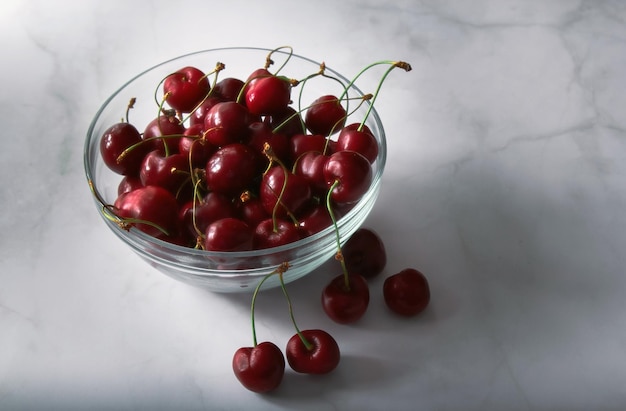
321	357
287	122
261	368
325	116
171	172
115	140
353	174
407	293
198	115
152	204
227	122
346	304
261	134
355	126
303	143
195	147
294	193
228	234
228	89
231	169
167	127
268	95
273	233
311	166
185	89
212	207
315	219
364	253
251	210
128	184
361	141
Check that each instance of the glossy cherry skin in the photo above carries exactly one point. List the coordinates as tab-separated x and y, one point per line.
115	140
352	171
346	304
407	293
153	204
251	211
170	130
273	233
231	169
261	134
261	368
198	115
314	219
268	95
325	116
311	166
195	147
195	216
322	358
228	89
287	122
228	234
361	141
303	143
127	184
365	253
294	193
171	172
185	88
227	122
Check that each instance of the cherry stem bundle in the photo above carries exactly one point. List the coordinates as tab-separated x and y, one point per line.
393	64
279	270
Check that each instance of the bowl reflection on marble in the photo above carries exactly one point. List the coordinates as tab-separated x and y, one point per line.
238	271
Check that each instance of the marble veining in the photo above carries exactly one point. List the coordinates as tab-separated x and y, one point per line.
506	185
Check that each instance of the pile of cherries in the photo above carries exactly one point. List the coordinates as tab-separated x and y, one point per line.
232	164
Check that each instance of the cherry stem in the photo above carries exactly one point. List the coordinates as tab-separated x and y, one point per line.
321	72
363	99
131	105
393	64
279	270
127	223
218	68
339	254
134	146
403	65
269	61
307	343
269	153
123	223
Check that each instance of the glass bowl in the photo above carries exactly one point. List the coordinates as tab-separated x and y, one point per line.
239	271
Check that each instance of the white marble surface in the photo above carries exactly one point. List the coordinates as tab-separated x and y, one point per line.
506	185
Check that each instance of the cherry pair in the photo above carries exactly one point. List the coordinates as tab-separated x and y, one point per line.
261	368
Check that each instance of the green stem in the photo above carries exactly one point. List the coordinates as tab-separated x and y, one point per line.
131	105
269	61
339	255
126	223
123	223
401	64
279	270
218	68
306	342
